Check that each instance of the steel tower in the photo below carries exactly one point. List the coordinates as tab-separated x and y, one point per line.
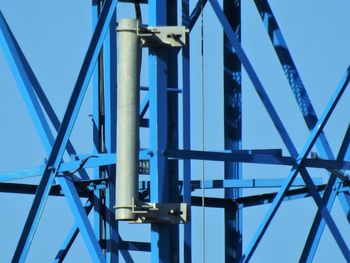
167	194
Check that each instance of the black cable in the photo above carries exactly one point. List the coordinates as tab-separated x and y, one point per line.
138	11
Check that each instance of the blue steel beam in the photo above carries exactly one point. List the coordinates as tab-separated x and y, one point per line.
24	84
110	98
329	196
196	13
245	201
134	246
248	183
308	113
157	126
260	199
28	84
144	106
232	132
171	194
186	130
346	196
81	219
163	108
250	157
96	121
65	131
294	172
253	77
286	139
102	184
104	141
245	157
73	233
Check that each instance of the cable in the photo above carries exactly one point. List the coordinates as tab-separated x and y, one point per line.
202	116
138	11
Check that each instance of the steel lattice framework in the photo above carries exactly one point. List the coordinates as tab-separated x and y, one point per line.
159	113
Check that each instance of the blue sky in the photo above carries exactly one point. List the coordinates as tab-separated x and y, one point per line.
54	37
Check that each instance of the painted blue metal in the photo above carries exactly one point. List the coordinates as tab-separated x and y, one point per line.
64	132
30	88
279	127
24	84
294	172
329	196
96	122
308	112
244	157
186	130
246	201
161	104
247	156
344	200
110	98
90	161
73	233
164	238
104	137
144	106
232	132
253	77
158	131
81	219
135	246
248	183
292	74
196	13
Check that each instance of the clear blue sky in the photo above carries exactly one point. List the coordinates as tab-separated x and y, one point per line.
54	37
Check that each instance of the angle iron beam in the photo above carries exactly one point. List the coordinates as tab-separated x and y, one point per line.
233	216
73	233
196	13
282	132
81	219
97	122
24	84
27	82
162	74
253	77
244	157
186	130
294	172
110	98
248	157
344	203
307	111
64	132
85	186
329	196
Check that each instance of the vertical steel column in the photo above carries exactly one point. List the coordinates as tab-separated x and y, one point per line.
186	134
173	133
97	85
110	98
163	74
232	131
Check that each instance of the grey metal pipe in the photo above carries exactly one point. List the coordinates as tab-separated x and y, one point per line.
127	118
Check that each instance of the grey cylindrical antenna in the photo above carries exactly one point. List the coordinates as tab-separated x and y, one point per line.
127	119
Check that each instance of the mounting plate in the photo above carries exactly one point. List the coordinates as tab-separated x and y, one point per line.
173	36
161	213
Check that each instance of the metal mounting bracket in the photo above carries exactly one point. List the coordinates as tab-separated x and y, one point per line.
173	36
161	213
